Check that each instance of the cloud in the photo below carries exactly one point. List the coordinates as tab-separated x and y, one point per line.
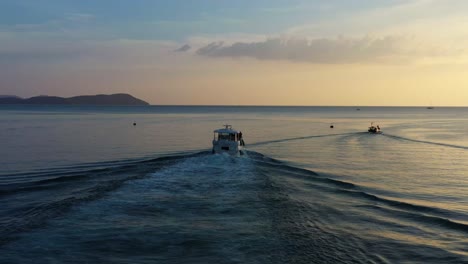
23	50
80	17
183	48
28	50
434	19
320	50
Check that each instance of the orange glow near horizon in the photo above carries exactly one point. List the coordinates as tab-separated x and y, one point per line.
250	82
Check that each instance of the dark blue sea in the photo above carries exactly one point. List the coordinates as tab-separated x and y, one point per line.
84	185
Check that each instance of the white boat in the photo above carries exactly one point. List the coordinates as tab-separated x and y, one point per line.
374	129
228	140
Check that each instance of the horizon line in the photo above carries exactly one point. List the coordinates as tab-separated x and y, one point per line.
355	106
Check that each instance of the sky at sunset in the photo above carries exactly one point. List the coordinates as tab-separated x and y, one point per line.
243	52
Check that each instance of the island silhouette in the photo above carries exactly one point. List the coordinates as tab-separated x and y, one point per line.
99	99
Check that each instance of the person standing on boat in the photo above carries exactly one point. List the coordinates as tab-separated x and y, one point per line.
240	138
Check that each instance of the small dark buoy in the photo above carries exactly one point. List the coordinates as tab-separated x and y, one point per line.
331	126
134	124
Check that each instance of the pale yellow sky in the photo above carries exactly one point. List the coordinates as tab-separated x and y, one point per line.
228	81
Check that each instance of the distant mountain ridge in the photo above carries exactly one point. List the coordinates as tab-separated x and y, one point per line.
99	99
8	96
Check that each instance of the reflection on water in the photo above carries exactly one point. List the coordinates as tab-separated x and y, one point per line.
85	185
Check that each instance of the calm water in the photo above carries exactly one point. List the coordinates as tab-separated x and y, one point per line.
83	185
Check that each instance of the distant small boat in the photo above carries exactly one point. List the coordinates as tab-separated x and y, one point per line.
374	129
430	107
228	140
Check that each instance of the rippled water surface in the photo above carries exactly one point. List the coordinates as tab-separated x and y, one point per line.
83	185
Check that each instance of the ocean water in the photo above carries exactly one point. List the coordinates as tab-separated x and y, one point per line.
83	185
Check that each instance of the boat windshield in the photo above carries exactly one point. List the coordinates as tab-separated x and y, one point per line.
227	136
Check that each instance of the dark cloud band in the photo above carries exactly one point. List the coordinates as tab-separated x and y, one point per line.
338	50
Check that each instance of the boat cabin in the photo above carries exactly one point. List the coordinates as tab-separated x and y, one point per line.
228	140
374	129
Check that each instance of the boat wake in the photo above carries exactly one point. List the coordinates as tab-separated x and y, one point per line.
209	208
299	138
35	197
425	142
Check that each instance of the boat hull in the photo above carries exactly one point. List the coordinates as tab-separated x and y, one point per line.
232	148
